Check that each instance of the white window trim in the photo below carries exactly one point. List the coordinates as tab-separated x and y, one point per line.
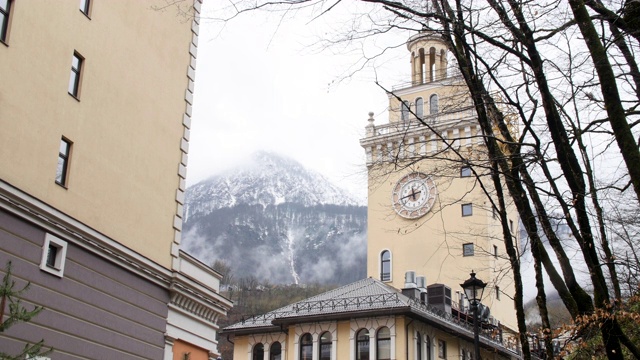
61	256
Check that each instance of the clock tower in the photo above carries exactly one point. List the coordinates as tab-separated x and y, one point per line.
430	212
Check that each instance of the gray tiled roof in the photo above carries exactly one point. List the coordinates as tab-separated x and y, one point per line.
363	295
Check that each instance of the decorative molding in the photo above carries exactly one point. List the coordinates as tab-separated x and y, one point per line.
59	224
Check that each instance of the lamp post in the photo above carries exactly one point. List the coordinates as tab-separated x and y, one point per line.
473	289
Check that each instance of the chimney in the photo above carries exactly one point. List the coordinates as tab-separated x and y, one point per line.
421	282
410	287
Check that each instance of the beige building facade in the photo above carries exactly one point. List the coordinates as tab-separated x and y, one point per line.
95	107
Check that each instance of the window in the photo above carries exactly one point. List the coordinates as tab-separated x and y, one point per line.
418	347
419	108
385	266
442	349
325	346
465	171
62	171
306	347
494	212
495	251
85	6
511	226
467	249
54	255
467	210
5	11
258	352
433	104
76	72
428	348
404	111
362	345
275	351
383	344
497	292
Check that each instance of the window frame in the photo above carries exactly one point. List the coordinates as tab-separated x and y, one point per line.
467	209
465	171
405	110
86	9
361	342
76	75
433	104
420	108
495	251
257	356
322	342
384	262
380	339
304	345
442	349
465	249
418	346
271	354
63	161
60	257
497	288
5	15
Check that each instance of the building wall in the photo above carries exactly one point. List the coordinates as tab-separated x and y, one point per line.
404	340
126	125
186	351
96	310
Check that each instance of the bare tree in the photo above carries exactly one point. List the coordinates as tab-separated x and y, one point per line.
567	74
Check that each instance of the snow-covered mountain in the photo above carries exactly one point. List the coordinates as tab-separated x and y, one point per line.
266	179
273	219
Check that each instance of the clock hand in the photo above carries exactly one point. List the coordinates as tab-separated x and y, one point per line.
412	195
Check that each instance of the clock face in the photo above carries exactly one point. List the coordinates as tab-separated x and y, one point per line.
414	195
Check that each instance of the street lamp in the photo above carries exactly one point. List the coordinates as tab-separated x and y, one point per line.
473	289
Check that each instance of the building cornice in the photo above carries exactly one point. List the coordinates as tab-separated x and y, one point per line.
56	222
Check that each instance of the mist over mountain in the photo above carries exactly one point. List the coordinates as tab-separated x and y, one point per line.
273	219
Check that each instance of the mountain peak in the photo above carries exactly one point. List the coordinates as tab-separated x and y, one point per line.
267	179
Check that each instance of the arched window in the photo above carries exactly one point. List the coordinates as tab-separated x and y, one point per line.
418	347
275	351
383	344
325	346
258	352
306	347
433	104
429	351
404	111
362	345
385	266
419	108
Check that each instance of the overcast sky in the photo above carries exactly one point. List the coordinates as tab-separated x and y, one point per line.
262	84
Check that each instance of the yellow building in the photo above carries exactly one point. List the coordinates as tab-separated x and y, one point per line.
95	110
430	224
430	195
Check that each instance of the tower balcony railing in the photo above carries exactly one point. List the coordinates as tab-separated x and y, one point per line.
437	120
438	75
